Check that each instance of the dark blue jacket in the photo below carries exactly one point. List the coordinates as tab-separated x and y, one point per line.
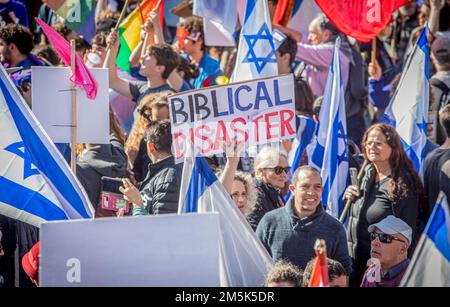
287	237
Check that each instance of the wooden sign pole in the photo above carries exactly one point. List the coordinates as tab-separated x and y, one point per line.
73	130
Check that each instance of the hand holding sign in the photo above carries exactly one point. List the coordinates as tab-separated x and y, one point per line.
234	150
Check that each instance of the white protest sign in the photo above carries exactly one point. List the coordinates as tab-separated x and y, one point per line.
257	112
53	107
165	250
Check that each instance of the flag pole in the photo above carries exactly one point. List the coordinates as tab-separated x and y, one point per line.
122	14
73	130
140	11
394	44
374	51
144	43
349	202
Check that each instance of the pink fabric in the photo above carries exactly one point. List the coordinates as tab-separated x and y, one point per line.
82	76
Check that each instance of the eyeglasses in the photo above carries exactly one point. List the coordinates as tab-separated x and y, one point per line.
279	169
238	195
383	237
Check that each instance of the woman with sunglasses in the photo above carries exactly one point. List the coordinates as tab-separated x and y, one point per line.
271	171
390	186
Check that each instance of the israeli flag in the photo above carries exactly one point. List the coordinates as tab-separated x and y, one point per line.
256	57
408	109
36	184
430	264
306	127
328	150
244	261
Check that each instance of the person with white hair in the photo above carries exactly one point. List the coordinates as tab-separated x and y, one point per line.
271	172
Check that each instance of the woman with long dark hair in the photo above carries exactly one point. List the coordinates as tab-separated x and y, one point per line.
390	186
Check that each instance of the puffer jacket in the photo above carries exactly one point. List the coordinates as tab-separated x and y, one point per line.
160	190
268	198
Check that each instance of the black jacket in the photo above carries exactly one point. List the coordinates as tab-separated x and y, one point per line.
18	236
405	209
140	164
161	187
101	160
268	198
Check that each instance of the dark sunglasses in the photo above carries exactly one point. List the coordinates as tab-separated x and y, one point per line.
383	237
279	169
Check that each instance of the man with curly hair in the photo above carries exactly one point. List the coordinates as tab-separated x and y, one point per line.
284	274
16	43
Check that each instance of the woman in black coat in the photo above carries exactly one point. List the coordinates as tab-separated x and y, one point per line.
390	186
272	172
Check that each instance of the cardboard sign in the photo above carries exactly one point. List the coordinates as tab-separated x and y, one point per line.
257	112
53	107
132	251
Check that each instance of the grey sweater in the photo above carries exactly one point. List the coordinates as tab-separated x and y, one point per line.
287	237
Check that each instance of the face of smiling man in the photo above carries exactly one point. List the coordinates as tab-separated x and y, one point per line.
307	192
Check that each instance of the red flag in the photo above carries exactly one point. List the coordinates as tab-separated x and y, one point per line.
319	275
82	76
361	19
281	12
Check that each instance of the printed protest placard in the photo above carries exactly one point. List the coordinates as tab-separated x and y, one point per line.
257	112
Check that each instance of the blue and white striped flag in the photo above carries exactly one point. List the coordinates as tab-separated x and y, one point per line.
430	264
328	150
306	127
256	57
408	109
244	260
36	184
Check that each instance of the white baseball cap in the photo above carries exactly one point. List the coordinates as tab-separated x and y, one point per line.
392	225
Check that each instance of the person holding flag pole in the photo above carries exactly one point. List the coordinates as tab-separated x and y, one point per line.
390	186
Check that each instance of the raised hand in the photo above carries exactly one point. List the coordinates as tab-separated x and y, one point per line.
113	39
375	70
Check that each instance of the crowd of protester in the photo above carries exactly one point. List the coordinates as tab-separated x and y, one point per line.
390	207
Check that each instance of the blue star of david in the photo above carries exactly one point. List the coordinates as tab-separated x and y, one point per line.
341	135
251	40
19	150
423	126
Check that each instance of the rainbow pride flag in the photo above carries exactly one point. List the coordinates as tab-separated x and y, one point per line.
130	28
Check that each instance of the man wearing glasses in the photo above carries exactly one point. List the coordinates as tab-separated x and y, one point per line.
390	239
289	233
